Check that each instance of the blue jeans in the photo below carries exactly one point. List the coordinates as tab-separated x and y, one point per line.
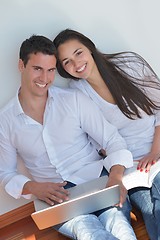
147	200
155	191
109	224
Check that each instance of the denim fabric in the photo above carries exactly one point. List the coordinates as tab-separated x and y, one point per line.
109	224
116	223
155	190
141	198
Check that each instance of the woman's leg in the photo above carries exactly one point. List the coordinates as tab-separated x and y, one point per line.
155	190
85	227
116	222
140	197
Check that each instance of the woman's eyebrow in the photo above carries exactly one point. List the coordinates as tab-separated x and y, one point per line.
72	54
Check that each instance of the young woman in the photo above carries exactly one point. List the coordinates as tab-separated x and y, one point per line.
127	91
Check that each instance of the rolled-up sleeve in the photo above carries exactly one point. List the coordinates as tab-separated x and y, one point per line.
121	157
15	185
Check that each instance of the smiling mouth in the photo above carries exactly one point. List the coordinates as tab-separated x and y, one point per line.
41	85
81	69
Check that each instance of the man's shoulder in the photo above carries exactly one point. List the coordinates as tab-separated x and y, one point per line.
69	97
66	92
8	108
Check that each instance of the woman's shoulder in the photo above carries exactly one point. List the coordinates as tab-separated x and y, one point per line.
77	84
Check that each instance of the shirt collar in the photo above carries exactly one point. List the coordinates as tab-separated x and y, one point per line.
18	107
50	96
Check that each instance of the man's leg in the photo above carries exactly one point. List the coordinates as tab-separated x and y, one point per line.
85	227
117	223
141	198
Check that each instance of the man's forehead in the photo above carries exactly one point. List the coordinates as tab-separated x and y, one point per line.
40	59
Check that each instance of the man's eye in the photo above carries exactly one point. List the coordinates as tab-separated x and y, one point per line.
52	70
37	68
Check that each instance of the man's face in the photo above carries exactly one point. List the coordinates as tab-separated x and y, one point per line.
38	74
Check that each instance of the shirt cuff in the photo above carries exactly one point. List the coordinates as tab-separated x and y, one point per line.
15	186
121	157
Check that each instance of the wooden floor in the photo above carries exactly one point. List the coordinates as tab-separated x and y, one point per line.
138	225
25	229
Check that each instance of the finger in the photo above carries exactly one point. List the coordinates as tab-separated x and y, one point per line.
148	167
143	164
59	187
49	201
139	165
62	184
122	199
54	199
59	196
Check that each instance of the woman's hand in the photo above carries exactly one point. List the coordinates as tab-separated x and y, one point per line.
151	158
146	162
49	192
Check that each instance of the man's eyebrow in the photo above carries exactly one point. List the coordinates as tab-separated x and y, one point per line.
36	66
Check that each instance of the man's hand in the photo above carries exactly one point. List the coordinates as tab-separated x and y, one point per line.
49	192
123	190
115	178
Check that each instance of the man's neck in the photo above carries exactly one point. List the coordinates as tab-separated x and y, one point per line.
33	107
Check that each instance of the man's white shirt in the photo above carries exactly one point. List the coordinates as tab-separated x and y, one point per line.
60	149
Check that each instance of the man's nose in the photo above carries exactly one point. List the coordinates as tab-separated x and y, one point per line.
43	76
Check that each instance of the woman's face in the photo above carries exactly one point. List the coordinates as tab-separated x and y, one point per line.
76	59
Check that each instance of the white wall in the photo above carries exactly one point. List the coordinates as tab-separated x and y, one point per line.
114	25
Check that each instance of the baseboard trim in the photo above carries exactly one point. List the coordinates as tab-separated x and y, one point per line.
16	214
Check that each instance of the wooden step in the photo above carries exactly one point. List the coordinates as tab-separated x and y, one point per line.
18	225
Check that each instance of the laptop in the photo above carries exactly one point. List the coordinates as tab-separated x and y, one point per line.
84	198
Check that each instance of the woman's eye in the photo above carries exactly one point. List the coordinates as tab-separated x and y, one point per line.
65	63
79	53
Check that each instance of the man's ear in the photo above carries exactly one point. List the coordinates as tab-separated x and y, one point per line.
20	65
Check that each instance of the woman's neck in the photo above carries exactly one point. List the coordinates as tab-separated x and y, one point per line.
98	84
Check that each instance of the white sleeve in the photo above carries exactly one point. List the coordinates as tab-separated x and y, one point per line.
105	134
11	180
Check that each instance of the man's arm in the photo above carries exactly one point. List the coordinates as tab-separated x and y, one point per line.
18	185
104	133
115	178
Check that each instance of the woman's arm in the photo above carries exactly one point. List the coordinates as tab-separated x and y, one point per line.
152	157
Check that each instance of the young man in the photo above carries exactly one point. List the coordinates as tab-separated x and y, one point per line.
50	129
